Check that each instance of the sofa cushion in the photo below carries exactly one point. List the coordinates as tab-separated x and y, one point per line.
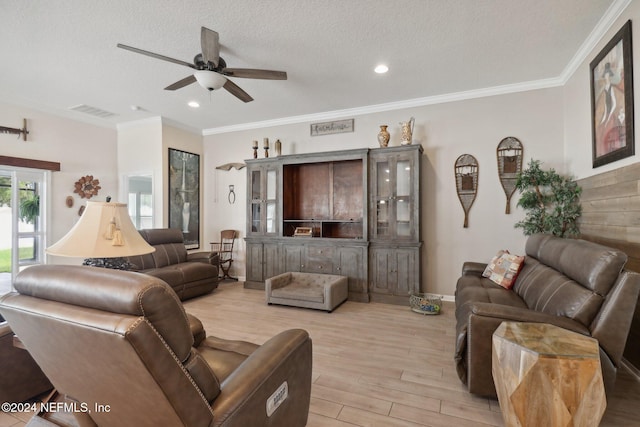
169	274
142	262
473	288
569	256
184	272
196	271
169	253
547	290
300	291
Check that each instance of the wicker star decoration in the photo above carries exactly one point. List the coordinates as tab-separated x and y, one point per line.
87	187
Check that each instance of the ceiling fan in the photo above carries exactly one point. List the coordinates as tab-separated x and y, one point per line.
211	70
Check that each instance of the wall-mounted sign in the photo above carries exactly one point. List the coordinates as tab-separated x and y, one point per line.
327	128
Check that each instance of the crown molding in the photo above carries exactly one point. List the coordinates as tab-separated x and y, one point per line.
398	105
604	24
600	30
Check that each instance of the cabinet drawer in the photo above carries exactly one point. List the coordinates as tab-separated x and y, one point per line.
320	252
319	266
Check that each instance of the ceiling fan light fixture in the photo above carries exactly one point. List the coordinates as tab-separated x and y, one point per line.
210	80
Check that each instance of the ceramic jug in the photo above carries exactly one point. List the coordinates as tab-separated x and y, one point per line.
407	131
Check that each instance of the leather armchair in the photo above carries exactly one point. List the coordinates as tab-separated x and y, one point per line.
123	339
20	376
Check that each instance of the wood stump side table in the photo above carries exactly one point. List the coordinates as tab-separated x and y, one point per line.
547	376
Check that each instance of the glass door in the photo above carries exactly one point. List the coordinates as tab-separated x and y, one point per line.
394	196
403	198
22	223
263	188
383	198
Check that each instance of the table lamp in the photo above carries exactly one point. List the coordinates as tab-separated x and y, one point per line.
104	235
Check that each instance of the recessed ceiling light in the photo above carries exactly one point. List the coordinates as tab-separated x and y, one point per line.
381	69
193	104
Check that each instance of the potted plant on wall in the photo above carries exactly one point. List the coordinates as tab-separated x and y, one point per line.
551	202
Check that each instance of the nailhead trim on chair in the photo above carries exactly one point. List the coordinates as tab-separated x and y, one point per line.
175	358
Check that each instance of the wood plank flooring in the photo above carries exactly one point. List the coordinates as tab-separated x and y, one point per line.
378	365
374	365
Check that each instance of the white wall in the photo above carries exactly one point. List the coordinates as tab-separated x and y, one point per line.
445	132
81	149
577	103
140	153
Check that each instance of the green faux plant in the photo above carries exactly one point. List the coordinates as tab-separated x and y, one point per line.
551	202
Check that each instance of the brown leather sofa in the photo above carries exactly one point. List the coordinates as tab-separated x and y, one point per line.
570	283
20	376
123	340
189	274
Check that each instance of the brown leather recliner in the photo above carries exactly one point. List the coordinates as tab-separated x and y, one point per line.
20	376
121	345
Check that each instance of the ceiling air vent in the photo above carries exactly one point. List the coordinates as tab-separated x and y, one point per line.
93	111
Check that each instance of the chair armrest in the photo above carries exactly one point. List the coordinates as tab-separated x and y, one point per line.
475	268
197	329
244	394
206	257
506	313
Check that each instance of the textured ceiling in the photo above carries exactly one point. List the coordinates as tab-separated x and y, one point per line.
56	55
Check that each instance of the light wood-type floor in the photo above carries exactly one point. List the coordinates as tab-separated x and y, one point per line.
374	365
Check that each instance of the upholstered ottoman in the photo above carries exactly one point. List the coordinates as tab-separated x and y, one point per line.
309	290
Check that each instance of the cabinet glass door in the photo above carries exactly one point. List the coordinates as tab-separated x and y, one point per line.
271	201
394	195
383	197
403	198
256	201
263	188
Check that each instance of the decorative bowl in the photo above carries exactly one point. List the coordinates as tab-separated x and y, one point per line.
425	303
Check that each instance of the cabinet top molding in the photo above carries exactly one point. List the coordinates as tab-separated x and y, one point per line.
331	155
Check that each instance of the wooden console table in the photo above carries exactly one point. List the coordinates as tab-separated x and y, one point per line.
547	376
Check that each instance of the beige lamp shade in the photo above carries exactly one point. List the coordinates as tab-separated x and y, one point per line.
103	231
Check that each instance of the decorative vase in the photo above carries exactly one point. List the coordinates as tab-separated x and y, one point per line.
407	131
383	136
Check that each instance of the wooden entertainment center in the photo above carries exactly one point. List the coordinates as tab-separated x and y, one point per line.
354	213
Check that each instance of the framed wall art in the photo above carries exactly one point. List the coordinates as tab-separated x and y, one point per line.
612	100
184	195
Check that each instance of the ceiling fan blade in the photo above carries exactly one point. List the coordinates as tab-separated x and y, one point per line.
235	90
182	83
155	55
251	73
210	46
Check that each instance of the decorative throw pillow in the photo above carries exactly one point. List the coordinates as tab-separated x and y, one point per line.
489	269
504	268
